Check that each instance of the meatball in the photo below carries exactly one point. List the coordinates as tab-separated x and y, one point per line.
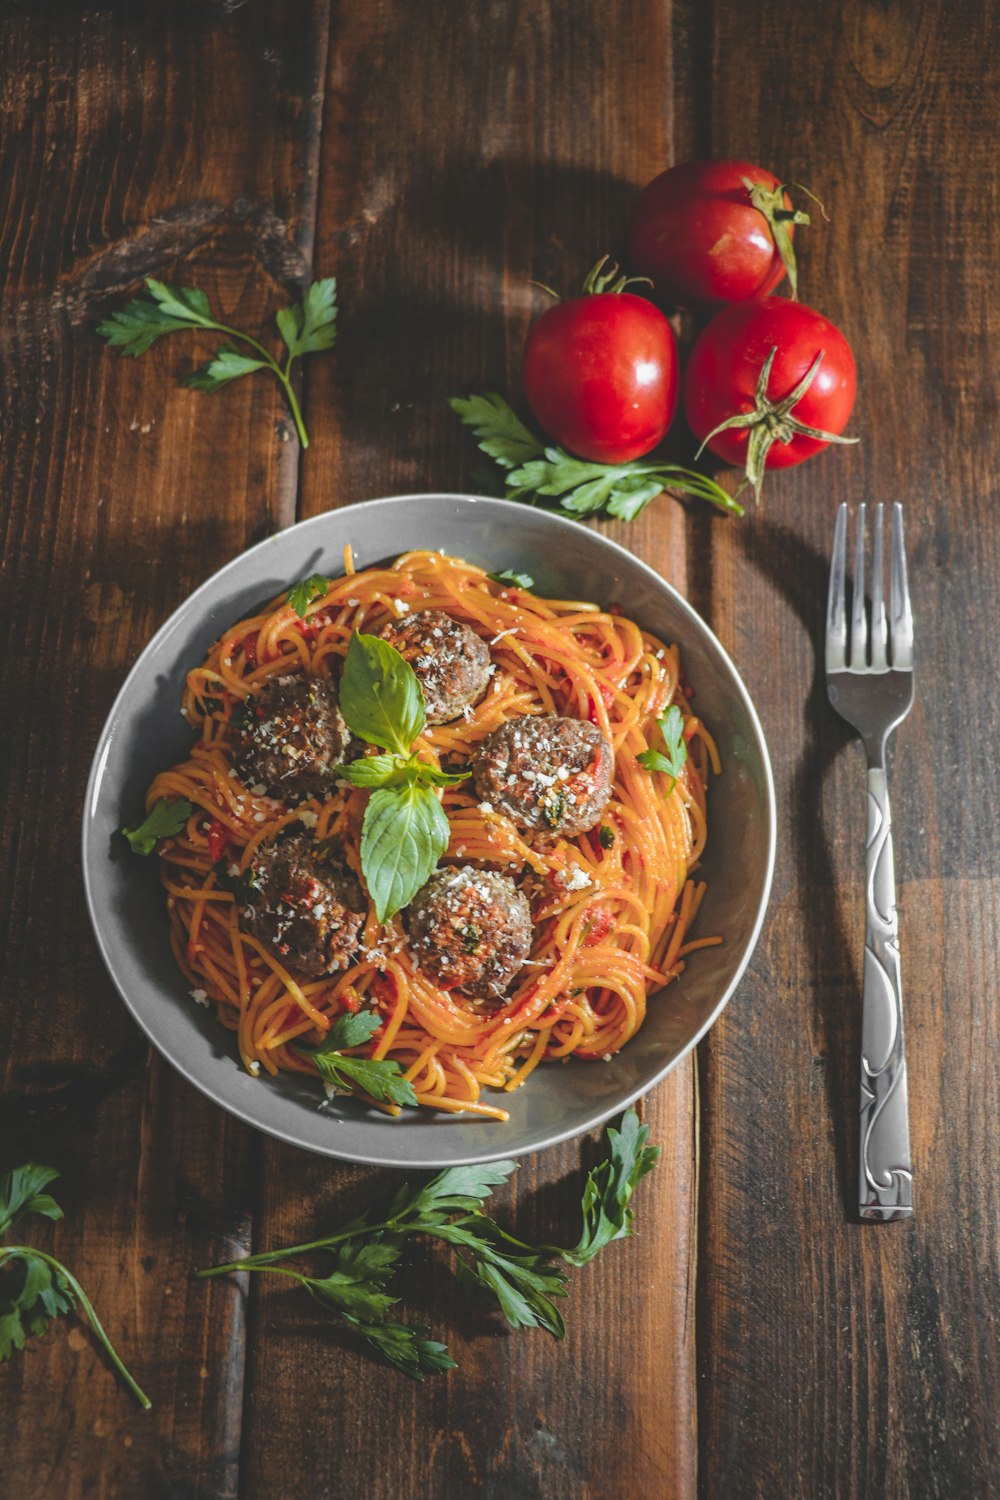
452	663
291	737
471	930
306	909
546	773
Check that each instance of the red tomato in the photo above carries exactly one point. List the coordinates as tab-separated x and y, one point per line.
601	376
696	231
724	374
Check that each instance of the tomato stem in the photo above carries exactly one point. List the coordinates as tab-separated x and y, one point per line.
772	422
600	280
771	203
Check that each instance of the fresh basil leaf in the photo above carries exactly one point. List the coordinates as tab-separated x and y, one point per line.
302	594
519	580
350	1029
433	776
380	695
227	365
500	432
404	834
165	819
374	770
310	326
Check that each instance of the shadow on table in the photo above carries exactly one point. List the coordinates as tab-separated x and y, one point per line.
800	575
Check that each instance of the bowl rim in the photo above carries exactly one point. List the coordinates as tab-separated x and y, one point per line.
602	1113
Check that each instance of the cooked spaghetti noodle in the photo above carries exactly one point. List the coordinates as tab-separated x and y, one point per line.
611	908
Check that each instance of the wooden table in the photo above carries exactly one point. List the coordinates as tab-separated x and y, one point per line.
755	1340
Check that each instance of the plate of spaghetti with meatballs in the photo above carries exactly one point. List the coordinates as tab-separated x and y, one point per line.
457	793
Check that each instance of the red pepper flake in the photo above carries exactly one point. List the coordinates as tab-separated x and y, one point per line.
219	839
597	926
248	645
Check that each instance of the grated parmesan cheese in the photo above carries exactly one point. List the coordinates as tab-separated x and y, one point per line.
200	997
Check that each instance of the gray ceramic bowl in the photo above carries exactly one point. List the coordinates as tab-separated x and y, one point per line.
146	732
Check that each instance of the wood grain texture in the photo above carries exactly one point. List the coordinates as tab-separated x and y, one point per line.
134	140
841	1359
435	216
754	1341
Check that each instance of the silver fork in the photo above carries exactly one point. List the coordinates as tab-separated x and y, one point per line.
870	684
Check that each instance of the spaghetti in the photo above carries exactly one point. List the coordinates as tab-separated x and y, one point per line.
611	908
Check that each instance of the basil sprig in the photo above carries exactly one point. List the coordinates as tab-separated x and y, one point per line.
405	829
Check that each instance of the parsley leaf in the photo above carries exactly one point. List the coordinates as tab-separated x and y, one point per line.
524	1280
302	594
164	819
34	1286
21	1193
502	435
538	471
307	327
229	364
672	728
352	1028
519	580
606	1212
310	326
379	1078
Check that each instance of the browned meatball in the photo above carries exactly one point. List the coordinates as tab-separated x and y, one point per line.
470	930
307	910
290	738
546	773
452	663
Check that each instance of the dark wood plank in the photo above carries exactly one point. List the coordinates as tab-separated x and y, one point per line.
133	139
464	153
835	1358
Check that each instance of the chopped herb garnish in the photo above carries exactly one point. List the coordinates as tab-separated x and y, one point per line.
164	819
470	939
553	809
606	836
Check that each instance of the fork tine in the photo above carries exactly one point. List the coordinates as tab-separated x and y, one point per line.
879	660
836	602
900	614
859	623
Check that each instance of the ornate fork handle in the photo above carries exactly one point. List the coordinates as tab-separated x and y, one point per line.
886	1188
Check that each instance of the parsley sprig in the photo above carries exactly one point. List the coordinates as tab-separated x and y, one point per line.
535	470
306	327
671	726
164	819
34	1286
405	829
379	1078
525	1280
